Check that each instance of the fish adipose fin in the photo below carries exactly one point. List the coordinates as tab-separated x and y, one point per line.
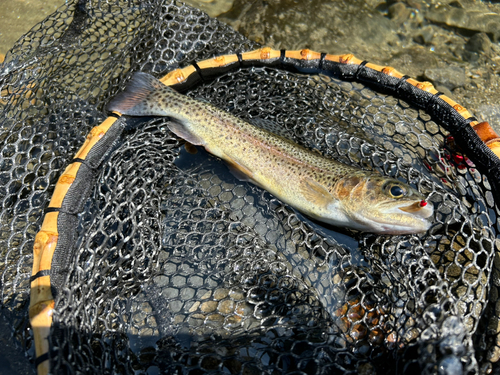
315	192
138	98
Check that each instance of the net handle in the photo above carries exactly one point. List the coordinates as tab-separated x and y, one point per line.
47	240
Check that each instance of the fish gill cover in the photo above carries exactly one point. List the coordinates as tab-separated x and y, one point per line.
165	263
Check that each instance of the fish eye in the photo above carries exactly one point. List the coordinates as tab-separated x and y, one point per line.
397	191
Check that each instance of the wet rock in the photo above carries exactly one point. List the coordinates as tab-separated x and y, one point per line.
450	77
490	113
477	46
445	90
374	29
456	4
413	61
213	8
417	4
486	22
319	25
425	36
399	13
479	43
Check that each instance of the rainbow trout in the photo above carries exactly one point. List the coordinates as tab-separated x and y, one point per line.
321	188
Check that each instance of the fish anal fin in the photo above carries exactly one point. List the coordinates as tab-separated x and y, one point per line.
315	193
182	131
241	172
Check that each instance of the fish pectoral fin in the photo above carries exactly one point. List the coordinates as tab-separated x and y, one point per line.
315	192
190	148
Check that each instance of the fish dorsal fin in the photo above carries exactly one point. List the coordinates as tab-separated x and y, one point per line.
271	126
203	100
315	192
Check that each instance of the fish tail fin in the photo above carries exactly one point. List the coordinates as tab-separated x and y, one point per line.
138	97
147	96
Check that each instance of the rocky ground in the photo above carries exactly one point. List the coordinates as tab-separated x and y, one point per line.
453	44
19	16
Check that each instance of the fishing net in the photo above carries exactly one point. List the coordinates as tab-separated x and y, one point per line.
166	263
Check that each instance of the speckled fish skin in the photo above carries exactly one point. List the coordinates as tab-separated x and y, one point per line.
321	188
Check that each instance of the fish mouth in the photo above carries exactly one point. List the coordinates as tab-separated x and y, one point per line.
421	208
395	218
407	217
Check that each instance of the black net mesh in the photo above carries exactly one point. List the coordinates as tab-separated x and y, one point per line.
178	267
